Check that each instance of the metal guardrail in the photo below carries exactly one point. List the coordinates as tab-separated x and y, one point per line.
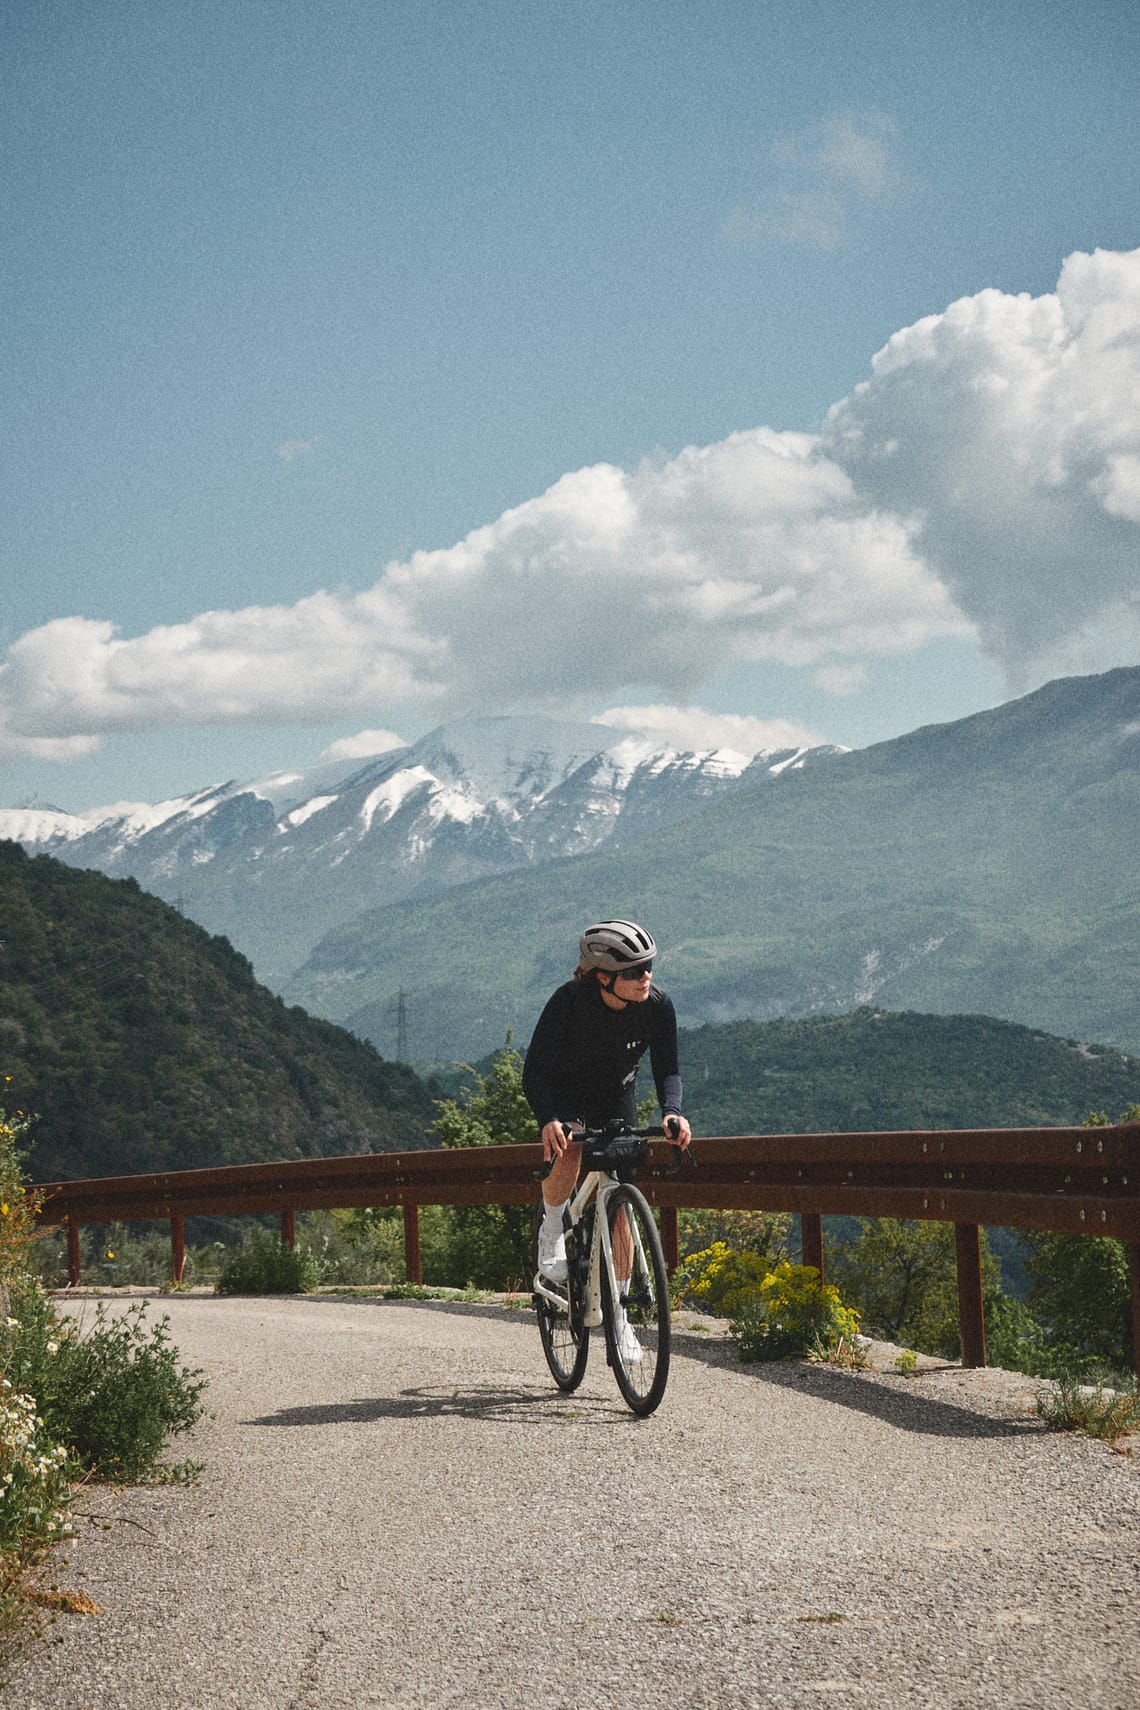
1081	1180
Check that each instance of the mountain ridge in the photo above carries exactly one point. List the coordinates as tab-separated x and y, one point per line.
277	862
987	865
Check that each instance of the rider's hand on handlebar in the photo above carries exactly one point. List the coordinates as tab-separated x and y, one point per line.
678	1130
555	1140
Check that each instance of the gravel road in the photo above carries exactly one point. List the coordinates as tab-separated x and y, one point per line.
399	1510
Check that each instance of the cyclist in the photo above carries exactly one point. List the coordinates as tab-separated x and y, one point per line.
581	1066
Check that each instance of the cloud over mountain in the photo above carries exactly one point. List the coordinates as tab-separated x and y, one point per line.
984	480
1008	431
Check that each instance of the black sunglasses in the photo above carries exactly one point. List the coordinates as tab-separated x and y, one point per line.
635	973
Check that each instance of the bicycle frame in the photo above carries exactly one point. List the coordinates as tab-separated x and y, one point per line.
616	1275
598	1185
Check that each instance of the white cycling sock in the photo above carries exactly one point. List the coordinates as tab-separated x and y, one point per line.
552	1219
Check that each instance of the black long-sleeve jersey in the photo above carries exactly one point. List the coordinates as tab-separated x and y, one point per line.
582	1062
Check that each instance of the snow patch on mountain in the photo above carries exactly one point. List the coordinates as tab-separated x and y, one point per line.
308	809
41	826
389	797
276	862
793	762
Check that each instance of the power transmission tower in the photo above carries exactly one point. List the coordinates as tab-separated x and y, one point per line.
401	1028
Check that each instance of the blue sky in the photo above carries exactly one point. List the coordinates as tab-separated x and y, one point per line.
371	363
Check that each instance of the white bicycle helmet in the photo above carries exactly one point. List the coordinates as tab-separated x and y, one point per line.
614	945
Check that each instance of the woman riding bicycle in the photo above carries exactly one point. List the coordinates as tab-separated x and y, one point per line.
581	1066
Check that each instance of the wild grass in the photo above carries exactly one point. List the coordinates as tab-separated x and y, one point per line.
1094	1410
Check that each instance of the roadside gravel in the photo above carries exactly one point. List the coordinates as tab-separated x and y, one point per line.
399	1510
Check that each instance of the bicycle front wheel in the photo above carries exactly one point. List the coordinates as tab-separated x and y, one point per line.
565	1340
638	1340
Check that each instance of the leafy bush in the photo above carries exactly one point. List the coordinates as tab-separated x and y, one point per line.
356	1247
71	1405
115	1254
34	1497
264	1264
1080	1290
776	1310
791	1314
721	1278
111	1396
34	1487
1015	1340
1093	1410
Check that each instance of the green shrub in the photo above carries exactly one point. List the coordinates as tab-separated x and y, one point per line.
264	1264
34	1487
792	1314
70	1405
720	1279
354	1248
902	1278
1091	1409
776	1310
1080	1290
110	1396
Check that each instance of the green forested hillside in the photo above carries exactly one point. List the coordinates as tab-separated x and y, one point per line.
142	1043
873	1070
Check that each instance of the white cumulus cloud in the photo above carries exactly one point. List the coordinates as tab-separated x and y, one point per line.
363	745
984	481
694	730
1007	431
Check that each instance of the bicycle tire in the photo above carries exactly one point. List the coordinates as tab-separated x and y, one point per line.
641	1379
566	1348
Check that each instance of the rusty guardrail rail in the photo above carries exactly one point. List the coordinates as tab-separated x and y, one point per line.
1081	1180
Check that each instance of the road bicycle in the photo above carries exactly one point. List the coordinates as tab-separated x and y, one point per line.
614	1261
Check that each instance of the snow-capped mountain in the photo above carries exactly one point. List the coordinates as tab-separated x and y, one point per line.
276	862
982	866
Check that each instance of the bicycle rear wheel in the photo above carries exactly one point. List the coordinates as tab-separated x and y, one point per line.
565	1341
639	1348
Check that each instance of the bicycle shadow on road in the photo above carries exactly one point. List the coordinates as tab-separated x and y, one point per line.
489	1402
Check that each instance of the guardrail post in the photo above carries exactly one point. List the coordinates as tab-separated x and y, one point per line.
971	1311
288	1228
670	1237
412	1243
811	1240
73	1255
177	1248
1134	1268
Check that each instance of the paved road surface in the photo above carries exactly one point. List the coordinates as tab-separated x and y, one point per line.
398	1510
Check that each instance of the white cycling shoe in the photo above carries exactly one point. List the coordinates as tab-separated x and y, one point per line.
629	1349
552	1256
